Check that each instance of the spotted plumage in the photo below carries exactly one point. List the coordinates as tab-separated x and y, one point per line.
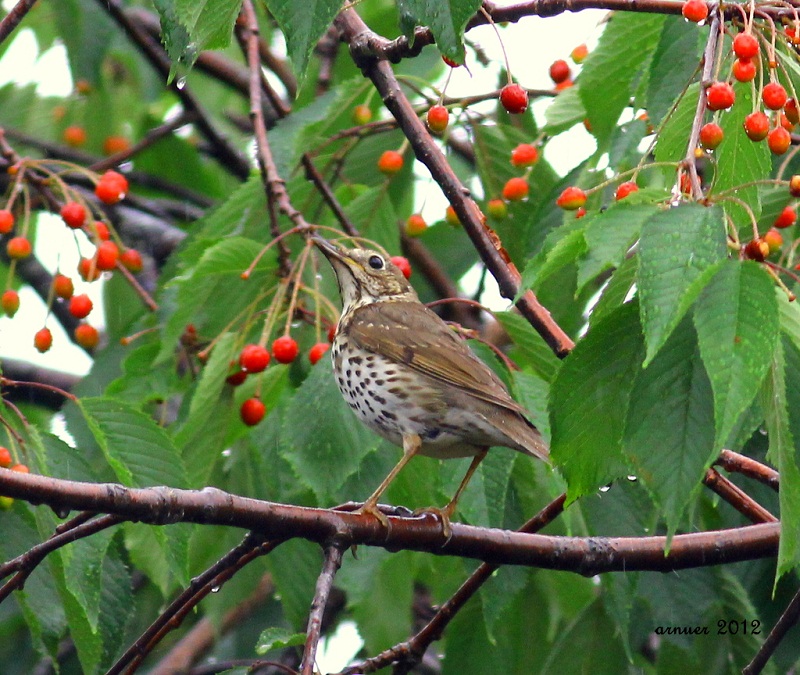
410	378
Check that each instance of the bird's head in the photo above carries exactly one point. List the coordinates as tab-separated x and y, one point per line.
365	276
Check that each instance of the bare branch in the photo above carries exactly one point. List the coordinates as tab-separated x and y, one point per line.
333	561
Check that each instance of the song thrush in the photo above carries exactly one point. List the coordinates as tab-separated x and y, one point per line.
411	379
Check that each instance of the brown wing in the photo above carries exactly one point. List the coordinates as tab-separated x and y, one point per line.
412	334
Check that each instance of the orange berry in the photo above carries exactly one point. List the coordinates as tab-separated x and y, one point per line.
10	302
43	340
437	118
6	221
63	286
402	264
787	218
18	248
415	225
579	53
131	259
451	216
571	199
515	189
624	189
74	136
361	114
106	256
524	154
390	162
114	144
497	208
86	336
5	458
317	351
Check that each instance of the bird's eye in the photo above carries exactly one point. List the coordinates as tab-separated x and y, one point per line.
375	262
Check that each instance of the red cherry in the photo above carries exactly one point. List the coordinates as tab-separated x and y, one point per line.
744	70
73	214
362	114
792	113
317	351
111	188
756	249
794	186
497	208
779	140
63	286
624	189
20	468
451	216
285	349
566	84
18	248
450	62
6	221
711	136
402	264
106	256
756	126
774	240
514	99
254	358
745	46
720	96
43	340
100	230
236	378
390	162
332	333
80	306
787	218
524	154
114	144
695	10
515	189
559	71
252	411
580	213
86	336
415	225
10	302
87	269
579	54
74	136
571	198
774	96
438	118
785	122
5	458
131	259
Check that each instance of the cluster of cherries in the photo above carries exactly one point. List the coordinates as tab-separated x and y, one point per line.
110	188
254	358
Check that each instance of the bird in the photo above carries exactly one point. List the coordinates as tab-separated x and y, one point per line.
410	378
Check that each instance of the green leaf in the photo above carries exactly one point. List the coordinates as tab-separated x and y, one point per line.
589	402
674	137
303	24
336	440
446	19
565	111
778	396
740	163
737	325
617	290
672	402
674	63
86	29
675	248
138	450
532	347
375	217
623	52
567	251
278	638
609	236
208	22
214	293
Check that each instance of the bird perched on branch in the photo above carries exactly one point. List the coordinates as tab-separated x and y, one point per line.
411	379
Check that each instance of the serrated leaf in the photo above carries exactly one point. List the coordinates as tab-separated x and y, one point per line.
532	346
675	248
375	217
214	293
446	19
567	251
336	440
278	638
609	235
739	162
778	395
674	63
669	433
532	392
565	111
674	137
137	449
208	22
589	402
736	317
617	290
83	566
303	24
623	51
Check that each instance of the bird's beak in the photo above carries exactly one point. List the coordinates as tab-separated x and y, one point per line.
329	249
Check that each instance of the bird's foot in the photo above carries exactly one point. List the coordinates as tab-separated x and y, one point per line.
444	514
370	507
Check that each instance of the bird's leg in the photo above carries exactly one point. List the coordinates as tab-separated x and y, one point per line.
411	446
447	512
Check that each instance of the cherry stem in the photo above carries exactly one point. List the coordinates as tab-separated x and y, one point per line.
489	19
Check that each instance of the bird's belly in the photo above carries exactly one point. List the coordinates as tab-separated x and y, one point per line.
392	404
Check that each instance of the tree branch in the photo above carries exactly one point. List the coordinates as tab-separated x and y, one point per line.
333	561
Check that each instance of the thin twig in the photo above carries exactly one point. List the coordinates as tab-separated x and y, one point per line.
788	619
734	462
333	561
313	174
14	17
737	498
